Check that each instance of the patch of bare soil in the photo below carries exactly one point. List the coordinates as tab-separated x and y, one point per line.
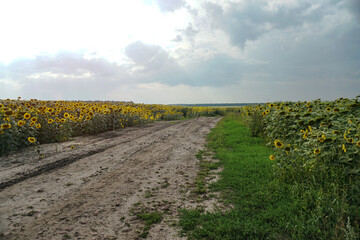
123	184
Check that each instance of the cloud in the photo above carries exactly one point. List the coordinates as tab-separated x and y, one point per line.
353	6
147	57
221	70
67	75
250	20
188	33
75	75
170	5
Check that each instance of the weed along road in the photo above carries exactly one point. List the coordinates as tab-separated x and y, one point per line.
121	184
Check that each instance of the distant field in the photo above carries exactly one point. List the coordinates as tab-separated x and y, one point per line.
217	104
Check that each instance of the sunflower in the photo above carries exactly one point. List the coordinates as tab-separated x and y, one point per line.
21	123
31	139
33	119
50	120
350	140
66	115
9	113
27	115
72	147
38	125
317	151
5	126
328	109
272	157
358	144
278	143
335	132
32	124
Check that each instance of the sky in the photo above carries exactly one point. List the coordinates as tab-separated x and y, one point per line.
180	51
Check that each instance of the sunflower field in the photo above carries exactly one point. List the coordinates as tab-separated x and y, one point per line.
31	122
316	147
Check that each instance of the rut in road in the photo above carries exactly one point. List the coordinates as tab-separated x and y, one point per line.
95	197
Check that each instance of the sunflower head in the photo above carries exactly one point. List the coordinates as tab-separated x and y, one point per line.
272	157
31	139
27	115
8	113
358	144
278	143
317	151
5	126
38	125
21	123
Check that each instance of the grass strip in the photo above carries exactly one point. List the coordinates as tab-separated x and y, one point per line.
261	208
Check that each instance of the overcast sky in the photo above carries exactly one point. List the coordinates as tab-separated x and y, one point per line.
180	51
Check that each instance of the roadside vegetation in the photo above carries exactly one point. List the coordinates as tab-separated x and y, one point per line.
291	171
30	122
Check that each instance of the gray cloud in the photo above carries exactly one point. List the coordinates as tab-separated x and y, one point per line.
221	70
170	5
63	63
157	66
67	75
352	6
187	33
251	20
178	38
149	57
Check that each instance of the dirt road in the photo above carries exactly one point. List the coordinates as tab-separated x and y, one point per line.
94	187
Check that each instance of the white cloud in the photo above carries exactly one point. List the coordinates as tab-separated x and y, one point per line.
170	5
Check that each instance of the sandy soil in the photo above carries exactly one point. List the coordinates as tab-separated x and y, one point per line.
96	189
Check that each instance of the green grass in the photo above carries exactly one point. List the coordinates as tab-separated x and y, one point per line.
260	207
150	218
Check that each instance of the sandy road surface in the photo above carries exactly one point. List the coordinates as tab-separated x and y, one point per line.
95	190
